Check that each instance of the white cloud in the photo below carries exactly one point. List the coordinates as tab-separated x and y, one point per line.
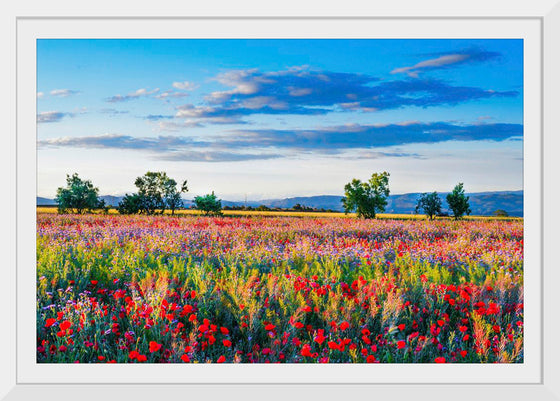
170	94
40	95
441	61
185	85
133	95
63	92
174	126
52	116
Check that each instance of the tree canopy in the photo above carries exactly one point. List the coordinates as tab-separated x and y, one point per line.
458	202
209	204
79	196
156	192
367	198
430	203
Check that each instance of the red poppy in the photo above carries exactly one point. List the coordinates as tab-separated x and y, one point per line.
439	359
185	358
344	325
463	328
65	325
402	327
133	354
401	344
320	338
100	358
50	322
370	359
269	327
141	358
306	350
154	346
226	343
333	345
94	282
221	359
224	331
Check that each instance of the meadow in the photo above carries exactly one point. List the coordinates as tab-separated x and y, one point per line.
273	288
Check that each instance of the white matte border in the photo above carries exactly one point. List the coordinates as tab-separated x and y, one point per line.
29	30
542	391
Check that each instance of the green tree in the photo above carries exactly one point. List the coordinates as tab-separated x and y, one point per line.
501	213
172	195
79	196
156	192
430	203
130	204
151	190
367	198
209	204
458	202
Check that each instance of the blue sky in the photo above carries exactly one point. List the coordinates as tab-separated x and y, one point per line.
276	118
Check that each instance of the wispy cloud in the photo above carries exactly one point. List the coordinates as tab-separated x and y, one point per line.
63	92
370	136
168	148
370	154
214	156
157	117
40	95
133	95
52	116
300	90
447	60
367	141
185	85
170	94
119	141
114	112
176	126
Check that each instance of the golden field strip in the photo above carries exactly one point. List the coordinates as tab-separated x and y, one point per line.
271	213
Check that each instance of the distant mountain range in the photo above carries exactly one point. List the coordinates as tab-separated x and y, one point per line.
482	203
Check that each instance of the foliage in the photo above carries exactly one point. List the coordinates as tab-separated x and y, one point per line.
79	196
501	213
367	198
430	203
458	202
209	204
156	192
130	204
172	195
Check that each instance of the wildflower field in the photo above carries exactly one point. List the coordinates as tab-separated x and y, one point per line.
163	289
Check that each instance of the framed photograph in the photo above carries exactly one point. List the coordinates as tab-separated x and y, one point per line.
241	201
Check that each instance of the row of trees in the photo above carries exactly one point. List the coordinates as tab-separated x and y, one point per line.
156	193
370	197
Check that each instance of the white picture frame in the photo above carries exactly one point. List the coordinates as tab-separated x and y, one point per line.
539	189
